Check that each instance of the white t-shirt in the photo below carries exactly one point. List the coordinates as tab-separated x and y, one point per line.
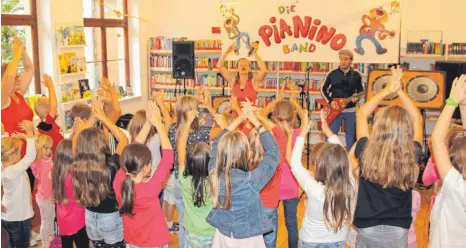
313	229
16	187
448	215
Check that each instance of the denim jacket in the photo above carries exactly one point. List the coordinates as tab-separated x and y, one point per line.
246	217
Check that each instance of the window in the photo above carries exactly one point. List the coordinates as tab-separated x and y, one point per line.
19	18
106	31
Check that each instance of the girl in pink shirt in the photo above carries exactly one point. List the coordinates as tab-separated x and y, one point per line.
41	168
70	216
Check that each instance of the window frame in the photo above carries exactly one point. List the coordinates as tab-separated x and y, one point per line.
104	23
28	20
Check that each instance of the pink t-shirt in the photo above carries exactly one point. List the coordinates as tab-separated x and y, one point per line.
430	175
289	188
415	209
70	216
42	170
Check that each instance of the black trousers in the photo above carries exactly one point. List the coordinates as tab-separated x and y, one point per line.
80	239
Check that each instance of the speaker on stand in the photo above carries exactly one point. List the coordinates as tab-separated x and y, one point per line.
452	69
183	61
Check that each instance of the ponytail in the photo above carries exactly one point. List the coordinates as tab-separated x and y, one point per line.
127	196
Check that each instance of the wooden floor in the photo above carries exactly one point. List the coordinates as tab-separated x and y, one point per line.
421	223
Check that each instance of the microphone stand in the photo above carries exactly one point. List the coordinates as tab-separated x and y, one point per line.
305	94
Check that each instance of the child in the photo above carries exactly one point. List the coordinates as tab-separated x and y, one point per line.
195	188
137	192
70	216
93	171
41	168
237	212
16	201
448	216
416	207
388	168
46	109
330	190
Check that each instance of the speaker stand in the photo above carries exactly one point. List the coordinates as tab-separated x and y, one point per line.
184	86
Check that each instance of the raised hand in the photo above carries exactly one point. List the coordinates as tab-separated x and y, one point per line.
47	82
20	136
98	109
287	129
190	116
395	81
281	93
306	126
220	120
160	97
231	48
207	98
17	46
458	90
105	84
325	128
153	114
27	127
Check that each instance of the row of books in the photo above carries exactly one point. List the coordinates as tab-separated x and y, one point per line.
430	48
70	63
206	63
163	43
457	49
75	91
161	61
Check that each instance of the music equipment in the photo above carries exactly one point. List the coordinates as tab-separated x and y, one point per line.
342	103
426	89
183	59
452	69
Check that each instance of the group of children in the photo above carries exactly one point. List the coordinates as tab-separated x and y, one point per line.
227	185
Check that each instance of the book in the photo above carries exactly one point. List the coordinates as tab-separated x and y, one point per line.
84	89
70	63
70	36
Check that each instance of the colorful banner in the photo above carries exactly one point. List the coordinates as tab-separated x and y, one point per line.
312	30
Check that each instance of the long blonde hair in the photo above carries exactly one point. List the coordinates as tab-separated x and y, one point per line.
257	150
332	170
389	157
183	105
10	146
232	153
136	124
91	177
42	141
456	143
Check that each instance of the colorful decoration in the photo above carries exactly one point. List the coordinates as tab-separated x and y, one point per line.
120	14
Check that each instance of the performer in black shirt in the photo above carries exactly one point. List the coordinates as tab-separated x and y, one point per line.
344	82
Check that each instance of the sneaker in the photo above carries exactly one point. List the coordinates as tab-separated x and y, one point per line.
35	236
175	227
32	242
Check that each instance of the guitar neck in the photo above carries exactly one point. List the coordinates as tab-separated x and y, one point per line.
359	95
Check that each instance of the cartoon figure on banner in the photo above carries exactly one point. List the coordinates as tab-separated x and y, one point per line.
394	7
231	26
372	25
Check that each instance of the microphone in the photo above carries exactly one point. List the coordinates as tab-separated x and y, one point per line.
309	68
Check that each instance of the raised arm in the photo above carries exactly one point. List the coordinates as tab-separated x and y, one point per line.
53	104
9	77
159	99
110	125
362	126
116	107
441	154
271	106
183	140
260	75
415	115
155	119
463	114
28	73
19	168
227	75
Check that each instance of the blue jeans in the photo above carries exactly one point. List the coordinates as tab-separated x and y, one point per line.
238	40
350	127
382	237
180	210
290	208
361	37
19	233
104	228
340	244
270	238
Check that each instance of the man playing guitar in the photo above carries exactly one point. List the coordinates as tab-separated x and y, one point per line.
344	82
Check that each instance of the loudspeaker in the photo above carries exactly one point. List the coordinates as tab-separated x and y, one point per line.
452	69
183	59
426	89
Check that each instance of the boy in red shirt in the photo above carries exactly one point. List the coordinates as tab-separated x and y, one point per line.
46	109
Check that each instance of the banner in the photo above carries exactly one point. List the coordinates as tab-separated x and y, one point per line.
312	30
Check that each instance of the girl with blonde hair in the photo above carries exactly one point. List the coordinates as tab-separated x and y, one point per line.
388	168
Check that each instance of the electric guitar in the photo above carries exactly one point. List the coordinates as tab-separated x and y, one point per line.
342	103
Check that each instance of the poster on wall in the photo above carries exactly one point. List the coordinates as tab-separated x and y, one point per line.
312	30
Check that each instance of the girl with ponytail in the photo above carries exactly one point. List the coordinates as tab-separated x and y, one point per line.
137	191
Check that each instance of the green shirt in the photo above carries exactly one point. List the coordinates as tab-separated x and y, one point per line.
195	217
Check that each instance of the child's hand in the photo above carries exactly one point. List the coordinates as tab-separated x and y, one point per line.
105	84
306	126
98	109
190	116
220	120
47	82
325	127
207	99
287	129
155	118
458	89
27	127
20	136
231	48
17	46
395	82
160	97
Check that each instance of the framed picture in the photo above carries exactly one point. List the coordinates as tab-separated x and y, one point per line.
220	103
206	120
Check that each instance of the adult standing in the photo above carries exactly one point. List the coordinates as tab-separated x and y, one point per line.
15	109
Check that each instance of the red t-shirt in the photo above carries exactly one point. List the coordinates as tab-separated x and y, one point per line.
248	92
49	127
147	228
14	114
270	194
